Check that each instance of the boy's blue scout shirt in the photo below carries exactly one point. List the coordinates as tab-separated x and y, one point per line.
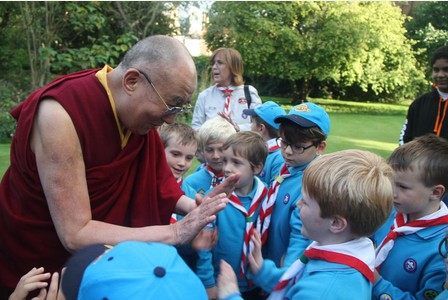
199	181
413	269
272	166
231	224
284	233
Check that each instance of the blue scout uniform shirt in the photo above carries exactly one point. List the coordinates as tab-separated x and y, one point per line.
202	259
199	181
284	233
414	269
231	225
382	232
273	163
320	280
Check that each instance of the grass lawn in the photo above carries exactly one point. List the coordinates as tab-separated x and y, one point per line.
354	125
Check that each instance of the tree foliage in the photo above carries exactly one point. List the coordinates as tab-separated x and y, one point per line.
429	28
343	43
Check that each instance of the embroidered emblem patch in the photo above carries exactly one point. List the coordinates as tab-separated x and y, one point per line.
302	107
286	198
244	116
410	265
430	294
242	100
385	297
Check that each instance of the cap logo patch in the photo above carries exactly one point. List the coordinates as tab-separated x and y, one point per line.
302	107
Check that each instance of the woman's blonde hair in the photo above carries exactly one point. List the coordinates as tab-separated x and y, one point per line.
233	59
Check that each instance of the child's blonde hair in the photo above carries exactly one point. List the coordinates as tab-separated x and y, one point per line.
428	155
213	131
249	145
354	184
178	132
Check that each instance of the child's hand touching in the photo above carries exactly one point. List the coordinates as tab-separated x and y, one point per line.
227	282
33	280
255	257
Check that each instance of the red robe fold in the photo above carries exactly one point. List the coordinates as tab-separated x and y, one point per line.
131	187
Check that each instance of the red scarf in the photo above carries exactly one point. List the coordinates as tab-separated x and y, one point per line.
264	219
400	228
227	91
260	194
357	254
216	178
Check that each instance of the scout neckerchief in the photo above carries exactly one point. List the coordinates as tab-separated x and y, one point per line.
400	227
353	254
272	145
441	113
216	178
260	194
174	216
264	219
227	91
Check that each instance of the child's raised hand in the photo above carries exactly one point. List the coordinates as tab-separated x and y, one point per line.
34	279
227	282
255	257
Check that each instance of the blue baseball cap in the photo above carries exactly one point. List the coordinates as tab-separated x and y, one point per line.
308	115
268	111
139	270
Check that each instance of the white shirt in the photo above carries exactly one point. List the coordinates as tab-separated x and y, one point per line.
211	101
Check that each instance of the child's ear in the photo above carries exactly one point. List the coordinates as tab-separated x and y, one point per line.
338	224
257	169
437	192
321	147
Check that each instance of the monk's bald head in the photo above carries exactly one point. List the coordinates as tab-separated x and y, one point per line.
161	53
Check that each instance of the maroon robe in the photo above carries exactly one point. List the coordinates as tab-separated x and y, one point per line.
131	187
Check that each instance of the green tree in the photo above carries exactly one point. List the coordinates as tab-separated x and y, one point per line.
343	43
429	28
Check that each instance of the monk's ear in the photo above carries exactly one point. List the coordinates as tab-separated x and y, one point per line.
131	80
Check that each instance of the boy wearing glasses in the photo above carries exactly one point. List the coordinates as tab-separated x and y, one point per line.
407	261
303	134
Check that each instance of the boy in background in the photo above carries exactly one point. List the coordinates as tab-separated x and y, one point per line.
263	122
212	135
181	142
346	196
244	153
303	134
407	260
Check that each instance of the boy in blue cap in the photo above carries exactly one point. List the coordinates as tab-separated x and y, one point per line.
303	134
130	270
263	122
